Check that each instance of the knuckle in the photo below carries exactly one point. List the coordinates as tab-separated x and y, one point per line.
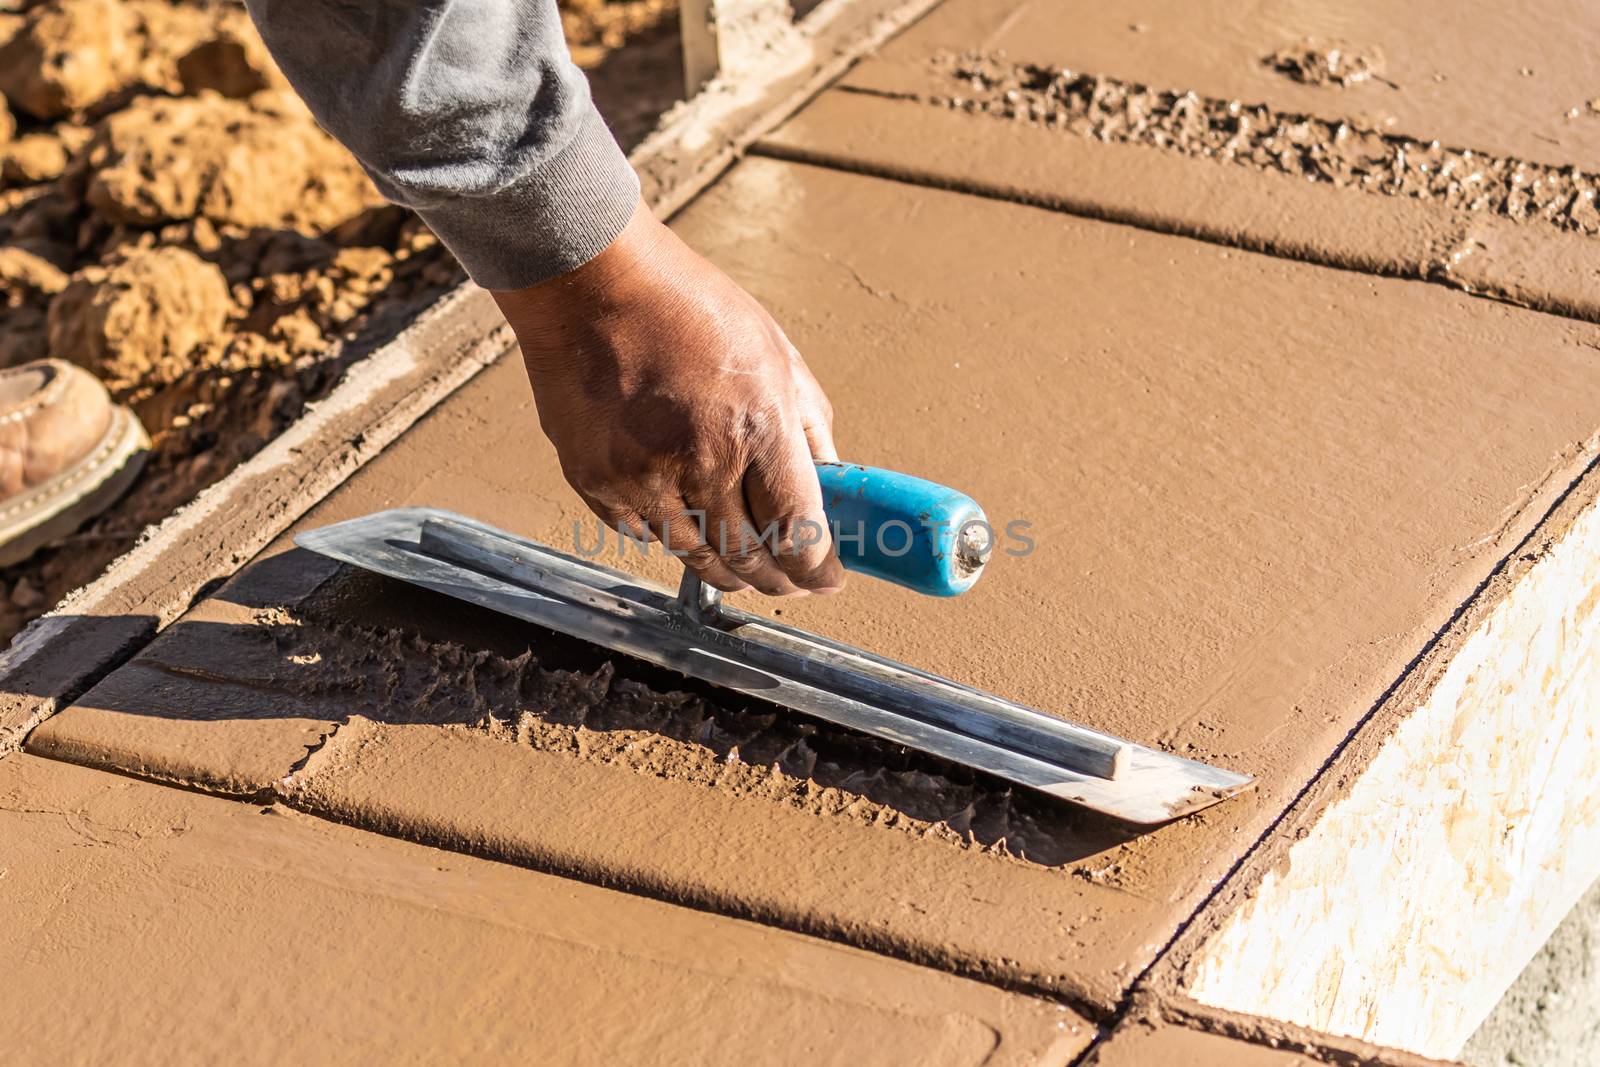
788	550
744	562
698	556
582	482
594	485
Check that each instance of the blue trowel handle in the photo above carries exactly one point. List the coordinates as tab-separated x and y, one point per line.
909	531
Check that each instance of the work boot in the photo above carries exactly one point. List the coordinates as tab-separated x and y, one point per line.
66	452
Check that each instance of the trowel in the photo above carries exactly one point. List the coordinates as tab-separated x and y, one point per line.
915	533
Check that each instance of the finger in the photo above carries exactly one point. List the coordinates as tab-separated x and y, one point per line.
816	413
732	532
819	439
685	539
782	490
624	520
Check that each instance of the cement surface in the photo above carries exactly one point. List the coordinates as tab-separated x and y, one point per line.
1146	1043
1168	116
1482	75
1551	1016
1535	263
147	924
1150	1038
1256	488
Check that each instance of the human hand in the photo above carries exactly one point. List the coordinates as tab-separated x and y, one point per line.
667	389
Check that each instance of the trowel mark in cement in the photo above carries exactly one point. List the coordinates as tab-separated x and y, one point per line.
1336	152
580	703
1315	62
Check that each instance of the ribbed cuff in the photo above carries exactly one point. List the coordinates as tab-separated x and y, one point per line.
557	218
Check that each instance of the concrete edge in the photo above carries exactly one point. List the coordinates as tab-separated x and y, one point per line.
1148	1008
381	395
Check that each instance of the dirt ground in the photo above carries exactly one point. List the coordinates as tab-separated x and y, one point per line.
172	218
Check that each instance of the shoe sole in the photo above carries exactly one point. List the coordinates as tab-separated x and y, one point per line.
55	508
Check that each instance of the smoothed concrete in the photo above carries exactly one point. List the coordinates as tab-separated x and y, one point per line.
838	878
196	719
1478	74
1529	264
1145	1043
151	925
1150	1038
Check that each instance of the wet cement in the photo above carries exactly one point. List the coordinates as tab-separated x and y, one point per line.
148	925
885	132
1345	153
1512	80
1305	471
1141	1043
399	655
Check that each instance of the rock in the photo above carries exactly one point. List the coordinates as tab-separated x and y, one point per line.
33	158
233	63
24	274
142	320
69	55
166	31
261	163
8	122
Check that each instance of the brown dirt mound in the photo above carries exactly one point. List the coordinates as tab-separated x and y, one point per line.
143	319
74	55
173	219
262	162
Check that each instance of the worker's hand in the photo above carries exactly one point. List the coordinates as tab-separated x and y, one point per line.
667	390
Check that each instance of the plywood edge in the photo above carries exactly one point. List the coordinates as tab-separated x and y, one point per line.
701	137
1410	885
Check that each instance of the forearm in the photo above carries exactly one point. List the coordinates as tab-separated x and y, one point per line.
470	112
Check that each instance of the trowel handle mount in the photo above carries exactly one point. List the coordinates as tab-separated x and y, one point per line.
919	534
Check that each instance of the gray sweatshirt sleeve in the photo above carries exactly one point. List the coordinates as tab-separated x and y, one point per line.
470	112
